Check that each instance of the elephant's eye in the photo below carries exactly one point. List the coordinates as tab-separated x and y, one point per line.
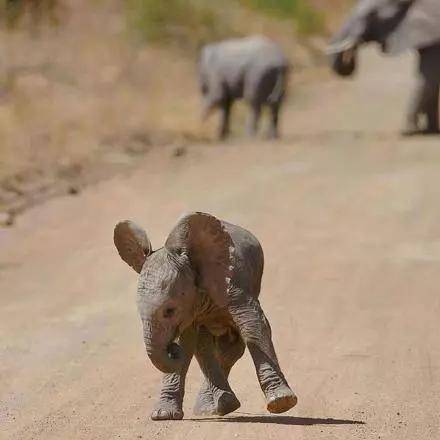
169	312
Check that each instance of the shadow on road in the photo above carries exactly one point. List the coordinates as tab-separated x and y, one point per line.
281	420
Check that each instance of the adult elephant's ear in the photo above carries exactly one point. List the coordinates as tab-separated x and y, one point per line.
132	243
210	250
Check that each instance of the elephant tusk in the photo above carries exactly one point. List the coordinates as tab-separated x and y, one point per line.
347	44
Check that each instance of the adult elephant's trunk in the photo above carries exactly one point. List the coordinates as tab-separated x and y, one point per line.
166	355
344	62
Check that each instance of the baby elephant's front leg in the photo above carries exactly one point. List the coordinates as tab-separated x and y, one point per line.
215	396
256	332
169	405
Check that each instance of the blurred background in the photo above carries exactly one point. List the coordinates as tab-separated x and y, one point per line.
83	83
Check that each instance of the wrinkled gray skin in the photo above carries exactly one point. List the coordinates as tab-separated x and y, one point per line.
397	25
198	295
253	68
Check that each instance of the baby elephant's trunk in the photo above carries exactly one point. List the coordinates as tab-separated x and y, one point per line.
166	355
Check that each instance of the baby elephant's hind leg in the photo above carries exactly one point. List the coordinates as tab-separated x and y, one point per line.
274	118
225	116
254	119
229	349
216	359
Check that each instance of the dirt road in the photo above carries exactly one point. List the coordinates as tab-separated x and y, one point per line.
348	215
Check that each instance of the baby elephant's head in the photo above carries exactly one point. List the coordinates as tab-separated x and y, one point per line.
196	255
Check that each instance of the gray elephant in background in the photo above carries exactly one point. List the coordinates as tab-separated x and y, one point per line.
397	25
253	68
199	295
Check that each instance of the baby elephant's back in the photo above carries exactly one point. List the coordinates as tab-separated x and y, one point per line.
242	59
250	51
248	259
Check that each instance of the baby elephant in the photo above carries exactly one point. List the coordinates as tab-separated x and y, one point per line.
199	295
253	68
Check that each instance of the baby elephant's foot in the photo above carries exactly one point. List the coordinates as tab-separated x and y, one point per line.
218	404
281	400
167	410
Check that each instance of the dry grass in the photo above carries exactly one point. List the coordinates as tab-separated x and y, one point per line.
67	92
333	10
306	18
184	23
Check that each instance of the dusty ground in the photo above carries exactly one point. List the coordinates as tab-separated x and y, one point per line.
347	213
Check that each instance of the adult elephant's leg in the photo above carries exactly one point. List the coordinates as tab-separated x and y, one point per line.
225	117
169	405
417	107
256	332
430	72
215	396
432	109
254	118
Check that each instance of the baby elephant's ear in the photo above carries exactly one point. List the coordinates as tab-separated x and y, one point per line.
132	243
210	250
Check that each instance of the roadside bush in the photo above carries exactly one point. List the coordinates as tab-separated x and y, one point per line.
13	11
307	19
188	23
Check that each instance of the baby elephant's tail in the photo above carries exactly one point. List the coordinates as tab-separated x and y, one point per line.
280	85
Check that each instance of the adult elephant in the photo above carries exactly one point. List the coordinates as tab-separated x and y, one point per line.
253	68
397	25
